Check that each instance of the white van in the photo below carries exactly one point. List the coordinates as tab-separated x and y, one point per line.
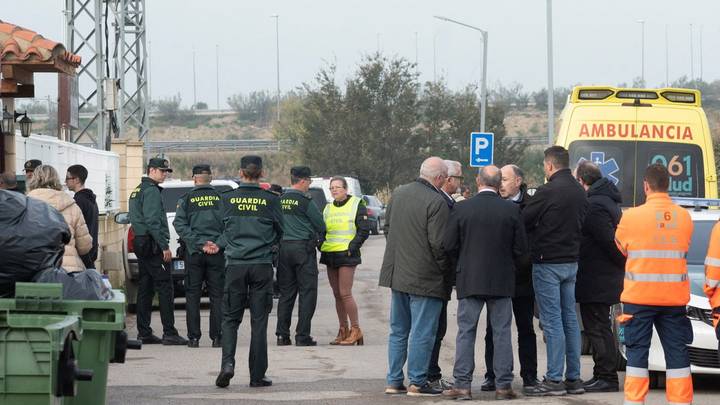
324	184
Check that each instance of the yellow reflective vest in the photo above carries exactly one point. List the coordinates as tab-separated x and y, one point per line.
340	224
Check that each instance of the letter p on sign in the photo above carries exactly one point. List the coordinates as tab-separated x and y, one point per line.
481	149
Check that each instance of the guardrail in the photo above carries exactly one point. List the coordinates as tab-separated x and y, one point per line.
220	145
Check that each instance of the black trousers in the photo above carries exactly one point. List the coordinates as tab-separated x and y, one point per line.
247	283
199	268
434	371
523	309
297	274
598	329
154	277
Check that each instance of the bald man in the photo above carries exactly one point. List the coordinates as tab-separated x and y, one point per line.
485	236
418	277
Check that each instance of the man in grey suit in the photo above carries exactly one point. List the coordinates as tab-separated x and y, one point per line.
485	235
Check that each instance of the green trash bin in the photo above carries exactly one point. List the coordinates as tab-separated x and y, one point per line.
101	325
37	362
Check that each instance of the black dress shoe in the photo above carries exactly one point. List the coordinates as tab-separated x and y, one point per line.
150	340
284	341
193	343
226	373
264	382
217	342
530	382
308	341
487	385
602	386
174	340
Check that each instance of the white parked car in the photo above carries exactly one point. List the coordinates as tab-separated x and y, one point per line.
704	348
172	191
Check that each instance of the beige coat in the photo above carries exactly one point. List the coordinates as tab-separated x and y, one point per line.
81	241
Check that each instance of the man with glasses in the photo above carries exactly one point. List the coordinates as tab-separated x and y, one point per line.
449	188
152	248
86	200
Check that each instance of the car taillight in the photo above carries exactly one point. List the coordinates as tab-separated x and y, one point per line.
131	237
370	212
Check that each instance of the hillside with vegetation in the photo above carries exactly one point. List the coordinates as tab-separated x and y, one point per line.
378	124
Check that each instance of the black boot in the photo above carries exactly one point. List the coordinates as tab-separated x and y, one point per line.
227	372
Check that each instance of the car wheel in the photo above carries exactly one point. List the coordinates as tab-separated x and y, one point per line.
657	380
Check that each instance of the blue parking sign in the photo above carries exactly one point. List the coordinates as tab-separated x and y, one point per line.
481	149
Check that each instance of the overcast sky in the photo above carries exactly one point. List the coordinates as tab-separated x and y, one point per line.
594	41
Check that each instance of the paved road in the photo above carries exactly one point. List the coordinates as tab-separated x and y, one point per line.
323	374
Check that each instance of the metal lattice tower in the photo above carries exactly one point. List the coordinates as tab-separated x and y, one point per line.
113	87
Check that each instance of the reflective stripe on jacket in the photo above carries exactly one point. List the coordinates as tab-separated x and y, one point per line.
712	268
655	238
340	223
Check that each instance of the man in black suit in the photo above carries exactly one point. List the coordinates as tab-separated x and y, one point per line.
485	236
514	189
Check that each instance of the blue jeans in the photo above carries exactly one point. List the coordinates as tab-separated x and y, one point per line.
413	325
554	285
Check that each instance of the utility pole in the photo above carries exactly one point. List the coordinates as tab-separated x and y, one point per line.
551	88
692	56
194	83
416	51
277	58
435	58
217	76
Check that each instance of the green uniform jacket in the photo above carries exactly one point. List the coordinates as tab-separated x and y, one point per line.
302	219
198	217
147	214
252	225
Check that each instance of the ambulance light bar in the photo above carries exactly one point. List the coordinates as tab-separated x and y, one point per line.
678	97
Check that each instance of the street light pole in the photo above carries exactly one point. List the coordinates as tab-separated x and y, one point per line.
483	84
551	88
277	58
667	59
642	52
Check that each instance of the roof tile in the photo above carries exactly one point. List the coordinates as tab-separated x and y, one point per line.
20	44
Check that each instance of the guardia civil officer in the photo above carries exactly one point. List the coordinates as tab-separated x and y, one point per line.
152	248
252	221
198	221
303	227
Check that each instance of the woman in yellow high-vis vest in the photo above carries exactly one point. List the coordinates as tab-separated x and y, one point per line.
347	229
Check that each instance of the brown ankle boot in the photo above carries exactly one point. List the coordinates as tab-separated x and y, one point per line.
355	338
343	333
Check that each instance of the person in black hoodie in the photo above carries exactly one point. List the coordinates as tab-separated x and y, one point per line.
85	199
554	218
601	271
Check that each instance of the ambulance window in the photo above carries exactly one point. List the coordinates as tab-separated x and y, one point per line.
684	162
615	160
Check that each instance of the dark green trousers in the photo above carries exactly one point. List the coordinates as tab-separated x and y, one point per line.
199	268
250	283
297	274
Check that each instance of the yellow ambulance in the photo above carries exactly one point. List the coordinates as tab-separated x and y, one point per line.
624	130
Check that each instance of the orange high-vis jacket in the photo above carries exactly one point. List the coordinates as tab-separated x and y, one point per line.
712	268
655	237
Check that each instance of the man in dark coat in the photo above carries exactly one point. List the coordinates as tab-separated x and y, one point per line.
601	271
416	269
485	236
554	218
523	303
